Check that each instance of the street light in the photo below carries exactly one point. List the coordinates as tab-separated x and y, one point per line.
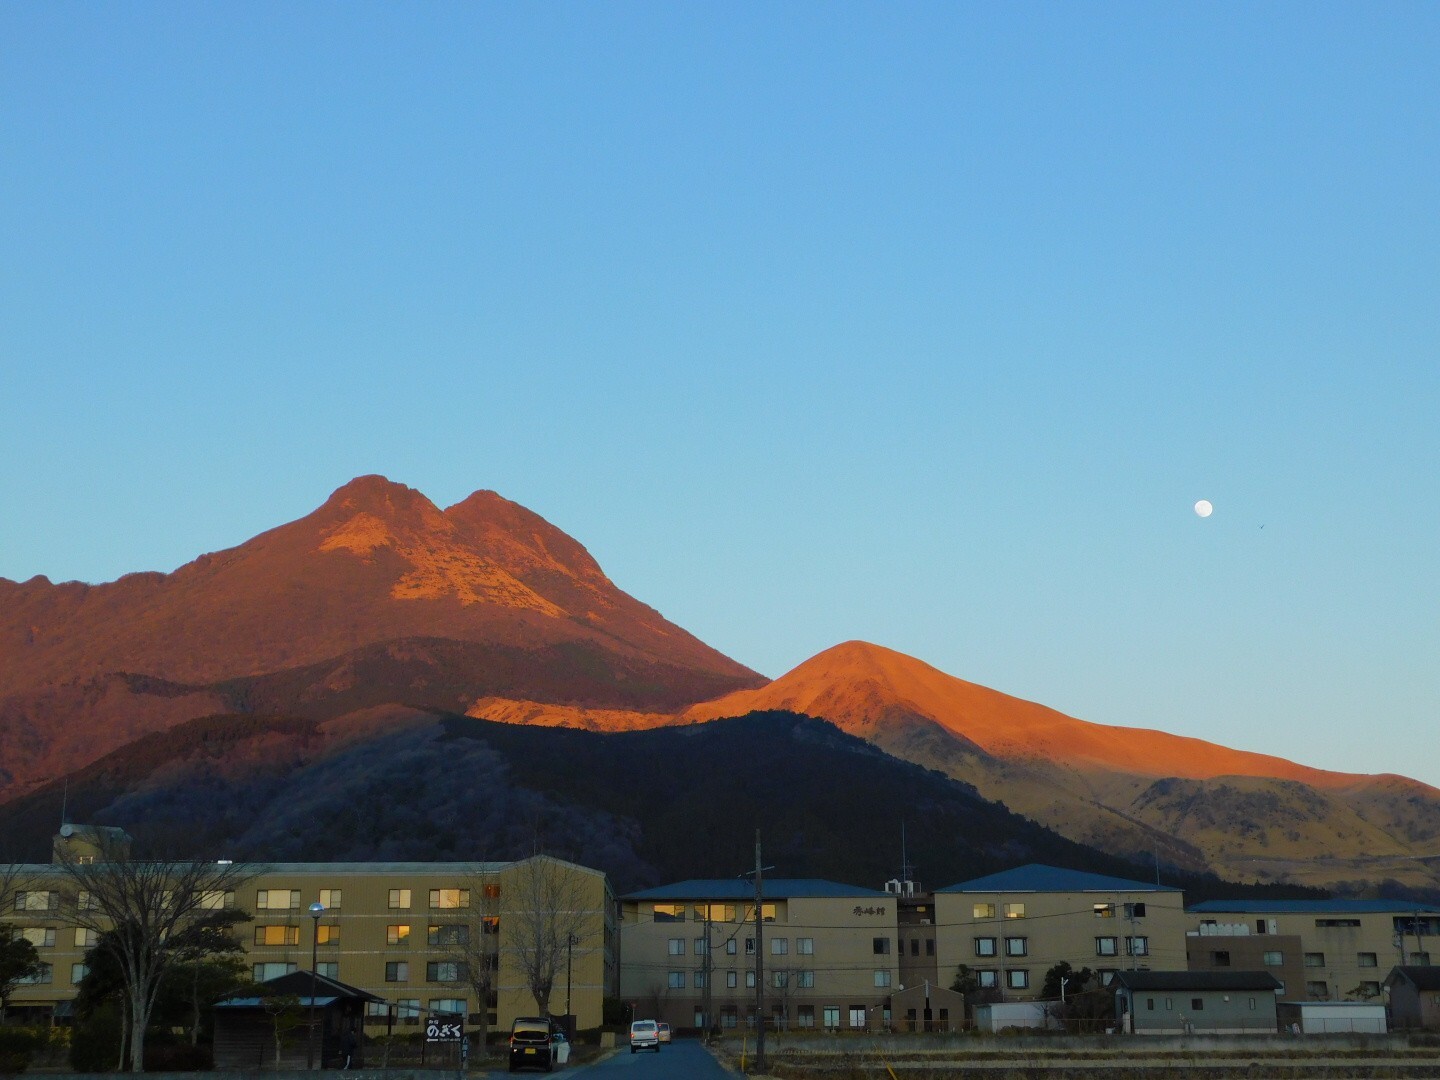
316	910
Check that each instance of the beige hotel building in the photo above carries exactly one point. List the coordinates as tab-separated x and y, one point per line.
400	930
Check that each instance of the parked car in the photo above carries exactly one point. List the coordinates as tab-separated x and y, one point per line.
644	1035
664	1032
532	1043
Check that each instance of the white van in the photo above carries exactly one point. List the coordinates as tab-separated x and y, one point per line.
644	1035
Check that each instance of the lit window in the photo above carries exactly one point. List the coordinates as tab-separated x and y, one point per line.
449	898
1014	911
277	935
330	898
277	899
327	934
399	899
984	911
397	934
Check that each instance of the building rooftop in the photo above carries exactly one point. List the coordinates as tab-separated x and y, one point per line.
1424	978
1036	877
1311	907
1198	980
744	889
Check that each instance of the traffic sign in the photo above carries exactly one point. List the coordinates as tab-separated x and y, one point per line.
437	1030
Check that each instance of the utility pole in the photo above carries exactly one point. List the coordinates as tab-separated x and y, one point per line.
759	962
707	1000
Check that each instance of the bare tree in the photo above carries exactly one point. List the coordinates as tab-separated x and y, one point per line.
18	959
471	940
143	912
548	921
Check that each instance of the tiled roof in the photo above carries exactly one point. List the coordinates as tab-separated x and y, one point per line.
1037	877
744	889
1311	907
1198	980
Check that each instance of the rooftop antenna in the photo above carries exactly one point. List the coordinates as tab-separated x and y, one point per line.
65	803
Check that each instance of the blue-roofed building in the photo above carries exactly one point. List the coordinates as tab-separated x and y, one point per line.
1345	946
1010	928
829	953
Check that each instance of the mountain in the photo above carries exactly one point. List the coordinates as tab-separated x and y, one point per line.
1129	790
646	806
377	597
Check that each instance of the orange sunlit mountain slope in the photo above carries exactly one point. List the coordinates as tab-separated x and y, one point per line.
1128	790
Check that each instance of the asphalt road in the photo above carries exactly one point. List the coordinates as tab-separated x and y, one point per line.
685	1059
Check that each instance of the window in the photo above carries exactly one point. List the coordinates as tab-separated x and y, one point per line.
490	924
700	946
397	934
929	946
729	1017
1106	946
38	901
699	976
676	980
331	899
750	980
983	911
444	971
1197	1004
1137	946
830	1016
1328	923
77	974
988	978
1017	946
1017	978
327	934
1366	959
44	976
397	971
277	899
749	946
1314	959
881	946
449	1006
277	935
915	946
407	1009
211	901
669	912
1104	911
1369	989
857	1016
984	946
805	946
805	980
1251	1004
263	972
731	947
882	978
399	900
491	892
780	979
1220	958
330	969
40	936
677	946
85	901
1273	958
1014	911
448	934
1420	959
805	1016
1317	988
449	898
779	946
715	912
1135	911
1107	975
732	979
767	913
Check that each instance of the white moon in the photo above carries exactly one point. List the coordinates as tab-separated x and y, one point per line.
1203	508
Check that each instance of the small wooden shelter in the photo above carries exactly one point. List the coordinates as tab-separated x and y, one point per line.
295	1021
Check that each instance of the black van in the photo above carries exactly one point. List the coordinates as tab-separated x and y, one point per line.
532	1043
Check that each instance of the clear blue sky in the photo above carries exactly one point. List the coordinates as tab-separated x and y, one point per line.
922	324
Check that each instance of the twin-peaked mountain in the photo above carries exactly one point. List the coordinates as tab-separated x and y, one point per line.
322	639
376	598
